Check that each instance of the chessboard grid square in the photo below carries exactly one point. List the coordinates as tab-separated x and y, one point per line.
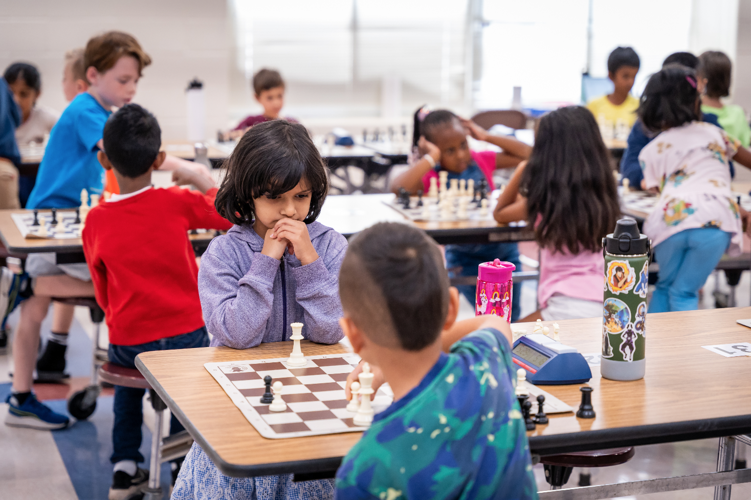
236	369
307	406
290	428
315	379
234	377
317	415
330	395
332	424
249	384
275	374
337	369
281	418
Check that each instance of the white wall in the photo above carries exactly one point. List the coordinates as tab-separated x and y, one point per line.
185	39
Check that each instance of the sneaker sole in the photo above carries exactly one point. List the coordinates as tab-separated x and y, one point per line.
47	377
135	491
32	422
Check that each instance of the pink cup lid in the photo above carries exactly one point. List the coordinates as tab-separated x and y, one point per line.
496	271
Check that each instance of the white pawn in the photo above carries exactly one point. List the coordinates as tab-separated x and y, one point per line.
454	190
354	404
462	212
60	227
521	377
433	191
278	403
555	332
484	207
471	187
42	229
365	413
546	331
463	187
538	327
626	186
94	200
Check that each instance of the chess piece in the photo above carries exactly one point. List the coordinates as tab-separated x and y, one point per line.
425	213
526	411
433	190
42	230
454	190
36	218
538	327
267	397
54	217
463	187
443	178
626	186
278	403
60	227
354	403
484	207
404	198
470	188
296	357
585	408
78	216
94	200
546	331
521	378
419	198
555	332
84	198
364	415
540	417
462	212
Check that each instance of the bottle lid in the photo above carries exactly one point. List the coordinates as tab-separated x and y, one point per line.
626	239
195	83
496	271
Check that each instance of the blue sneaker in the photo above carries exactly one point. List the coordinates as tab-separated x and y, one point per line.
34	415
11	286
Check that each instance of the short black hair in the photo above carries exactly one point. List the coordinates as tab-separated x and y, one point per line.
572	199
435	120
394	286
686	59
132	139
622	56
670	99
26	72
271	157
716	67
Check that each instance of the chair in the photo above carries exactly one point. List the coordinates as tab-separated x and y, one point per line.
508	117
558	467
162	450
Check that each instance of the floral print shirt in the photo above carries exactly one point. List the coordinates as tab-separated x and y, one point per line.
689	165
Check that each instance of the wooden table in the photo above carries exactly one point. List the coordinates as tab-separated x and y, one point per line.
688	393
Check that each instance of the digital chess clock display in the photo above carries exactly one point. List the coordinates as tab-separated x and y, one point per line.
534	357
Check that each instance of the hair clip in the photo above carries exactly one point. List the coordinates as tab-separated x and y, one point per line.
691	81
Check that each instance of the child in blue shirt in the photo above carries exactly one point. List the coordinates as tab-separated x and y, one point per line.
455	429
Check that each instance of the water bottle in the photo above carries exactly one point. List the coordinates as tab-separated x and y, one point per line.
494	286
196	111
625	302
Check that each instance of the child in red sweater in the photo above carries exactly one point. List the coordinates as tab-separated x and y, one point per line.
144	269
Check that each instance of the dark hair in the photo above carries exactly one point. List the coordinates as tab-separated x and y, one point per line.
622	56
437	119
271	157
669	99
132	139
572	200
26	72
266	79
686	59
716	67
103	51
394	286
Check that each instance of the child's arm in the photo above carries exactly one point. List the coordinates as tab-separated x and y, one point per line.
514	150
411	180
200	210
184	176
743	156
96	266
460	329
512	206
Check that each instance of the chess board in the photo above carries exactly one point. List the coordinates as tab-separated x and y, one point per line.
552	404
433	213
66	218
314	394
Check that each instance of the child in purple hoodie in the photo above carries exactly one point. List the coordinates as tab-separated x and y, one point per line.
276	266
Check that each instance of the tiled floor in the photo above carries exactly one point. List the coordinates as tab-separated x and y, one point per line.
74	463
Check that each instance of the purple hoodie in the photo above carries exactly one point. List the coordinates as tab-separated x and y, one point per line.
248	298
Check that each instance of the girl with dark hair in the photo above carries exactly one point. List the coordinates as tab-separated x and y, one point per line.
276	266
697	218
441	139
714	72
567	192
36	121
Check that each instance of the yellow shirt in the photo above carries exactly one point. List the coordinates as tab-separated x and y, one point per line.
603	109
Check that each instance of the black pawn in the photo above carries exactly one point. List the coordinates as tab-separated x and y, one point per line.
530	424
54	217
78	216
419	198
585	408
540	418
267	397
404	197
36	218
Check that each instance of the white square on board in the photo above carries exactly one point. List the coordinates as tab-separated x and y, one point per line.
249	384
331	424
295	389
330	395
281	418
315	379
342	413
337	369
307	406
275	374
236	368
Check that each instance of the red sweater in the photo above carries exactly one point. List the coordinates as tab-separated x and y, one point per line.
143	265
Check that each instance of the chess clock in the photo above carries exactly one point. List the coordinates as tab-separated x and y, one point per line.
548	362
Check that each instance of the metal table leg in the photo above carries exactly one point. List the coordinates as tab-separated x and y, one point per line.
725	462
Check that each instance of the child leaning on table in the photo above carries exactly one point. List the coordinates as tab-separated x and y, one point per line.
276	266
455	429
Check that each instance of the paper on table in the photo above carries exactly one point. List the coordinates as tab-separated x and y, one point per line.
730	350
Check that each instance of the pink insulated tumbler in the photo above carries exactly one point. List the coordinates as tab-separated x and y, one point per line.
494	286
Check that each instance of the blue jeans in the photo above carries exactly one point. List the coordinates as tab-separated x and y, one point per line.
468	257
686	261
126	433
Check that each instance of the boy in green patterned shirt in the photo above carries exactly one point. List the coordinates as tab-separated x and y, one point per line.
454	429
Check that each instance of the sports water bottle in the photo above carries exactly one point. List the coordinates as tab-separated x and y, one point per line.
625	302
494	287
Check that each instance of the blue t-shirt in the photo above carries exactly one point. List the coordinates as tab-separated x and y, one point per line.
70	163
458	434
10	120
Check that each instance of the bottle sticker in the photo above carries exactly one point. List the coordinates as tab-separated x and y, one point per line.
641	287
607	349
628	346
621	277
483	305
616	315
641	316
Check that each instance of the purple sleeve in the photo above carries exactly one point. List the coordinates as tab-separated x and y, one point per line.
227	295
318	292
